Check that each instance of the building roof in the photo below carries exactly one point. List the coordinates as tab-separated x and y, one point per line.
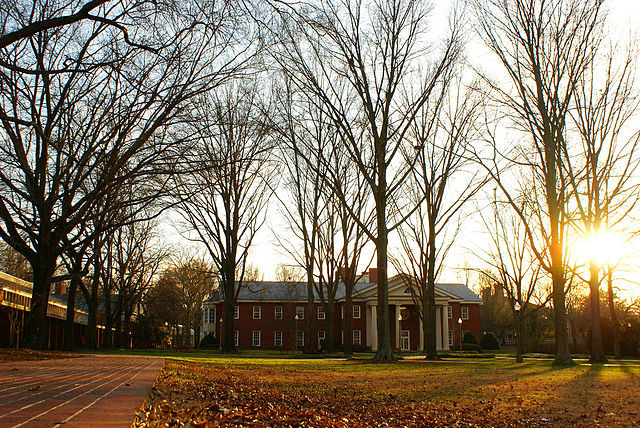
460	290
297	291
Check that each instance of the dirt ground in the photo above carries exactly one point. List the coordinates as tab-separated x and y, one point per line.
227	392
8	355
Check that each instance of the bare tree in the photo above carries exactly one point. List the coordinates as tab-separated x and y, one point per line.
441	133
81	101
222	195
513	267
602	172
304	135
359	61
194	280
544	48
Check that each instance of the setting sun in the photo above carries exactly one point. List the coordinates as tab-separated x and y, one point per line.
605	248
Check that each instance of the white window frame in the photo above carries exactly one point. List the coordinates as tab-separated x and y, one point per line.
356	312
449	312
464	312
357	337
321	314
255	338
277	338
300	312
321	337
257	312
236	312
205	316
278	313
236	338
405	334
300	339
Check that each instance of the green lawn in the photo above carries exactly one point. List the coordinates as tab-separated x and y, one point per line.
413	391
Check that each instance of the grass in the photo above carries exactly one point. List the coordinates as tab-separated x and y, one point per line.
480	391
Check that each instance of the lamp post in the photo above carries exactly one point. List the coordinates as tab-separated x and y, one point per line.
460	325
220	336
517	307
295	339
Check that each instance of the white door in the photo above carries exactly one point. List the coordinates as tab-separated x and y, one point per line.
405	342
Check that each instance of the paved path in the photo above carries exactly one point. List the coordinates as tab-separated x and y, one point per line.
94	391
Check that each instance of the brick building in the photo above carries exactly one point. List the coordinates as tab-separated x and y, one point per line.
271	315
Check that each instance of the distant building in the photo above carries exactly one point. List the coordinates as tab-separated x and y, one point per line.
265	315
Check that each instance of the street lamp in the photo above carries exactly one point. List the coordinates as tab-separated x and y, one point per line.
220	337
460	324
295	343
517	307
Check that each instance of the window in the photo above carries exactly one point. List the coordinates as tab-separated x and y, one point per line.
257	312
321	314
256	338
450	337
277	338
508	339
464	313
236	337
321	337
278	315
341	312
449	312
300	339
300	312
208	315
356	337
356	311
236	313
405	342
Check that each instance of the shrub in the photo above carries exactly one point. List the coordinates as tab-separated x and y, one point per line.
470	338
468	347
209	341
490	341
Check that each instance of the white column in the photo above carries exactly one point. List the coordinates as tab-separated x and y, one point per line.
396	316
445	327
438	328
374	327
420	335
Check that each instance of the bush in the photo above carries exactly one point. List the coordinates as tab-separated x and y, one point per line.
468	347
209	341
490	341
470	338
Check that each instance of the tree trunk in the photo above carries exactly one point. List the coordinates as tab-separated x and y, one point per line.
331	317
597	350
69	323
348	324
107	341
92	317
429	306
35	336
612	313
229	309
384	352
309	343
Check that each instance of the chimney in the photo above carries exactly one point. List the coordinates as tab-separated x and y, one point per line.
373	275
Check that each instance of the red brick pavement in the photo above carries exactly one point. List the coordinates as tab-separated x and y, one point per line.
95	391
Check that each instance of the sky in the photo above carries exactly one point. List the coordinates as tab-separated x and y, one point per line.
266	254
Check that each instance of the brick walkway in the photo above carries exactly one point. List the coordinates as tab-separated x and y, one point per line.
95	391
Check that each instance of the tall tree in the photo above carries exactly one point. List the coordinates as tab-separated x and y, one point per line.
82	99
223	193
602	171
359	60
544	48
441	132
